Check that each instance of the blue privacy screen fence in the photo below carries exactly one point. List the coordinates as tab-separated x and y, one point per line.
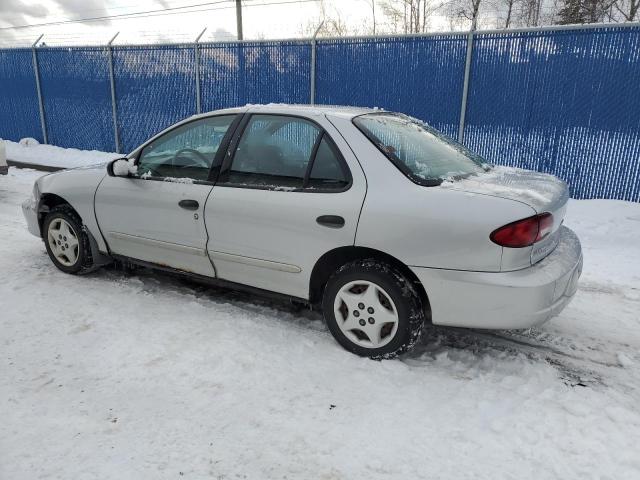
562	100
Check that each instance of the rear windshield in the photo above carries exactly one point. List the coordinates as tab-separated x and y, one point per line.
421	152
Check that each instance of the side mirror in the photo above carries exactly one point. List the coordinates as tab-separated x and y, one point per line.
121	167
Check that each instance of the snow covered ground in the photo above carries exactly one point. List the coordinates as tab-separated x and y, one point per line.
136	376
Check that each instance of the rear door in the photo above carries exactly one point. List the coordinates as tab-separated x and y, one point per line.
157	215
289	192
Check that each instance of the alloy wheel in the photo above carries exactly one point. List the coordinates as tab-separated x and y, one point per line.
63	241
365	314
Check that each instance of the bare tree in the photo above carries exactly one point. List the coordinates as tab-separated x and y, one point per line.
629	9
530	12
509	4
468	10
372	3
410	16
332	24
506	11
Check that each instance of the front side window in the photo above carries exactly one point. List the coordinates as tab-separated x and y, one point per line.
422	153
187	151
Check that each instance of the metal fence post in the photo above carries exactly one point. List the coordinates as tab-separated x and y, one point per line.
36	71
197	67
312	93
465	86
114	110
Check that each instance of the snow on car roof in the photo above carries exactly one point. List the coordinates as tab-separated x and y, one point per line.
335	110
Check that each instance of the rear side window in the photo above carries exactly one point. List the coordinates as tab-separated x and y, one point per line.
286	153
274	151
327	171
421	152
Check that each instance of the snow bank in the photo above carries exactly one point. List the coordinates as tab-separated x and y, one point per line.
609	231
30	151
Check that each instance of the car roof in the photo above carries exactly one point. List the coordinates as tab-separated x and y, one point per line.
293	109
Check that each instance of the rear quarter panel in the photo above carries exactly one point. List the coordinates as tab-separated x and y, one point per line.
426	226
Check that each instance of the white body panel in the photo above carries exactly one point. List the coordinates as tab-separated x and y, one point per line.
141	219
279	230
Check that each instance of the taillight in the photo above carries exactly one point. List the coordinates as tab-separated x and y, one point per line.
523	233
546	225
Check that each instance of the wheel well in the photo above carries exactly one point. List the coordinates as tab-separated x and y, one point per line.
334	259
47	202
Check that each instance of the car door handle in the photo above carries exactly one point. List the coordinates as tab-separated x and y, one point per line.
331	221
189	204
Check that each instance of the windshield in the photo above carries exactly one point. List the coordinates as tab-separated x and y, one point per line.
422	153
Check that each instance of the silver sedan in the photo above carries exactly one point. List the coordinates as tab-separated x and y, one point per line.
374	217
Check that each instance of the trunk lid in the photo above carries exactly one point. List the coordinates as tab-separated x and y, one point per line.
541	191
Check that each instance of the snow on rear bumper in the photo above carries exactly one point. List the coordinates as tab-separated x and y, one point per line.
31	216
505	300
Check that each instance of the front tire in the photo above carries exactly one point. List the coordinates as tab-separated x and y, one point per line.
372	309
66	241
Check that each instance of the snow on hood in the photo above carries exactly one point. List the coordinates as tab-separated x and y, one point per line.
541	191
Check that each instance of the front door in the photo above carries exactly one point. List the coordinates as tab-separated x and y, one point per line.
157	214
289	194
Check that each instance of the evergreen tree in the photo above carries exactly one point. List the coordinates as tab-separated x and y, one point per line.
571	12
584	11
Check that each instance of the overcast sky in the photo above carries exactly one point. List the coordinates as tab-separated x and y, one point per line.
260	21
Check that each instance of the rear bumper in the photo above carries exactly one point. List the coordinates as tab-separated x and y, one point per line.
31	216
505	300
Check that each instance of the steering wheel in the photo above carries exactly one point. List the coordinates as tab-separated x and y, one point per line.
201	160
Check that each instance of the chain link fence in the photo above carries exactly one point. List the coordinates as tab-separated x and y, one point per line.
559	100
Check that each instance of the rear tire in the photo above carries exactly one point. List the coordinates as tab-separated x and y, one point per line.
66	241
372	309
